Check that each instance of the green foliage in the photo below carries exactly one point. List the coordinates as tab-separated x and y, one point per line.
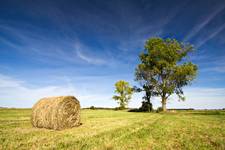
146	104
119	108
159	109
124	91
146	107
164	69
92	107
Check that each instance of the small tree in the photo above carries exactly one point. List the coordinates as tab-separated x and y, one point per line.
125	92
163	68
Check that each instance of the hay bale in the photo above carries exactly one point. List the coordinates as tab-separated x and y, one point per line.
56	113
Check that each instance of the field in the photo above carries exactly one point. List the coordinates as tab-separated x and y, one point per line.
109	129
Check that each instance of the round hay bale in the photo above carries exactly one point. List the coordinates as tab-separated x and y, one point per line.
56	113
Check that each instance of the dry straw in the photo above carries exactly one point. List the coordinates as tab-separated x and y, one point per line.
56	113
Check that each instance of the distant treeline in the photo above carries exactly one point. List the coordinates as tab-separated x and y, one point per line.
171	109
110	108
93	107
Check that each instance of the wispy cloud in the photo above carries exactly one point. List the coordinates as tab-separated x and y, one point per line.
89	59
80	49
203	24
55	49
115	28
9	43
210	36
217	65
220	69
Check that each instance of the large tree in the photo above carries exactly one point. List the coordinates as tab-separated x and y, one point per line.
124	91
165	69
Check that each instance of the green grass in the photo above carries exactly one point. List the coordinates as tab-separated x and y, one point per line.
108	129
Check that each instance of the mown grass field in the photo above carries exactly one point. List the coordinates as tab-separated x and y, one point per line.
108	129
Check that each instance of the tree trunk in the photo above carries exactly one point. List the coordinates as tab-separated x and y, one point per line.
164	104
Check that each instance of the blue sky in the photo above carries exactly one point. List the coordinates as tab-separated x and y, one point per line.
81	48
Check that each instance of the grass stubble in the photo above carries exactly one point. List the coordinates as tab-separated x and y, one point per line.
109	129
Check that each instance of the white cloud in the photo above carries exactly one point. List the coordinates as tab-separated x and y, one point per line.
7	82
197	98
16	93
200	98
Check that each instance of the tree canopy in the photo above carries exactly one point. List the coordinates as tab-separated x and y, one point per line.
124	91
163	68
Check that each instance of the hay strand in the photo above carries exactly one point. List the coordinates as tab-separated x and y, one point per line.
56	113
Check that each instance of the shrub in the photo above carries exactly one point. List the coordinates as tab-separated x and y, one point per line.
119	108
134	110
92	107
159	109
146	107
